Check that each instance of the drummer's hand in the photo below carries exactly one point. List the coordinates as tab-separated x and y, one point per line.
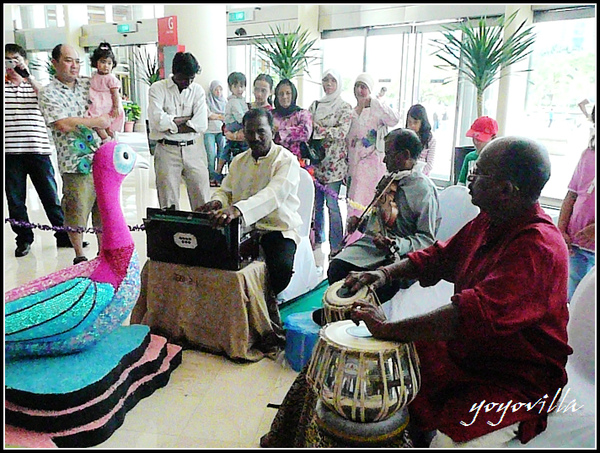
352	223
222	217
356	280
210	206
383	242
372	315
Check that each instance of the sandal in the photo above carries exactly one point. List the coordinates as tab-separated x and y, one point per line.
79	259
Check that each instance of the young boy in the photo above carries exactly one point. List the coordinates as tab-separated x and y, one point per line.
482	131
235	109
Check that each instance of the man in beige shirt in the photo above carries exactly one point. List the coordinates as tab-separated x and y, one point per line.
262	188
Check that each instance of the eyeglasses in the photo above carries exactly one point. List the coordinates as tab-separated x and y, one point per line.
476	174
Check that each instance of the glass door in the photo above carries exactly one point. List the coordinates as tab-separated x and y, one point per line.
402	60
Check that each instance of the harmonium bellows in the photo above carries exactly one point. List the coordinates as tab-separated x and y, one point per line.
182	237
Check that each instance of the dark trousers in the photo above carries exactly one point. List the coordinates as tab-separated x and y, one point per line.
279	258
339	270
40	170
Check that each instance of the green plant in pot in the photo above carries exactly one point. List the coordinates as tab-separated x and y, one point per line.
289	53
133	112
484	51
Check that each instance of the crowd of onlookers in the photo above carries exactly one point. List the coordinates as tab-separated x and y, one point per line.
198	134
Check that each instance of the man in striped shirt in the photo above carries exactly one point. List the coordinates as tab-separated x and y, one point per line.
27	151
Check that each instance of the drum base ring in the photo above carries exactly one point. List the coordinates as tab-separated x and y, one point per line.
361	434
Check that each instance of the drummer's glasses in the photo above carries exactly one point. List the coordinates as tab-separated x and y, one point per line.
476	173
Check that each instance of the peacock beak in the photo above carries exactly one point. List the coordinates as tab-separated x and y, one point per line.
140	162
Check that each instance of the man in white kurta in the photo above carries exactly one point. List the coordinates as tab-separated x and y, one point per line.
178	117
262	188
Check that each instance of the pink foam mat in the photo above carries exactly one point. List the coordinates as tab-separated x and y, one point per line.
96	431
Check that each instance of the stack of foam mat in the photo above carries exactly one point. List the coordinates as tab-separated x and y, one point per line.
79	400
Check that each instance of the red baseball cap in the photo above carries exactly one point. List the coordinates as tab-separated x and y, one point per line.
483	128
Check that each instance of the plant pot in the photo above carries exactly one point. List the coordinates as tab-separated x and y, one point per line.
129	126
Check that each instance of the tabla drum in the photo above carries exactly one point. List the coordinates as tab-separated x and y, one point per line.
337	301
361	378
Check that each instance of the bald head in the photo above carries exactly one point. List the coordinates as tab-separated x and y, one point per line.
65	59
522	161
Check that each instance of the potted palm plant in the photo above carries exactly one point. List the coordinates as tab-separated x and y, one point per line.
289	53
133	112
484	51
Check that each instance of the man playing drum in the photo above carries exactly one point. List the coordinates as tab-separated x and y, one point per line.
406	216
499	346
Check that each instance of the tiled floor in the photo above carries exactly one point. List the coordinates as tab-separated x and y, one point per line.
210	401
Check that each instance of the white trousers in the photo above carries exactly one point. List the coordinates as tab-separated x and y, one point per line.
496	439
174	162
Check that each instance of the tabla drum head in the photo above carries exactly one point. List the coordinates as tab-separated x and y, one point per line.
352	337
338	301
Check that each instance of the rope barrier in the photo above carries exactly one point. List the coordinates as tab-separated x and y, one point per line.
19	223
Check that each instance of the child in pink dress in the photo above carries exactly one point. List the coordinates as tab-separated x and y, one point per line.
104	91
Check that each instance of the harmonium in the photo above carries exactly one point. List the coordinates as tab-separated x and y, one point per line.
182	237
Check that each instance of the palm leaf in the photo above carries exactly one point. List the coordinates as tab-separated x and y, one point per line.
483	51
148	65
289	53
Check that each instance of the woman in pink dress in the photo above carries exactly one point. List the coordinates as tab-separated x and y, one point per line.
105	89
365	161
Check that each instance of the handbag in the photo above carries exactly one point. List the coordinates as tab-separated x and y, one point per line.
313	150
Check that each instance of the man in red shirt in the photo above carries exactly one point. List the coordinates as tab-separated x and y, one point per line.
493	359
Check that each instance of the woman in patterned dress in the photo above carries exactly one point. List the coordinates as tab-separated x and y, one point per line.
331	122
292	124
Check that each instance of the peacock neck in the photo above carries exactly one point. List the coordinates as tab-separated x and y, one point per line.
115	232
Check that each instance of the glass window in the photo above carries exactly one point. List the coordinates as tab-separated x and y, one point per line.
563	74
96	14
436	90
413	78
388	68
122	13
350	64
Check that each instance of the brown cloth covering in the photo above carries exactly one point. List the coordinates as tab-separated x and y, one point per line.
221	311
296	423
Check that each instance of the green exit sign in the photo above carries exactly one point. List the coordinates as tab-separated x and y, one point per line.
237	16
123	28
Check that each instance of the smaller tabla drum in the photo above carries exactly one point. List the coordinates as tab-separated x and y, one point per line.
359	377
337	302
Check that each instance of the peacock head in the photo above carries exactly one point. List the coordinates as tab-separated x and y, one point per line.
113	161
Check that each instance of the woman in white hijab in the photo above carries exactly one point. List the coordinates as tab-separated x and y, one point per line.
331	122
214	141
365	160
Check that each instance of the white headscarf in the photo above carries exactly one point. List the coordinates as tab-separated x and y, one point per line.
330	102
367	79
215	104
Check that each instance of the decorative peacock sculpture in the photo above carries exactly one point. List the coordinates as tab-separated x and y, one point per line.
72	309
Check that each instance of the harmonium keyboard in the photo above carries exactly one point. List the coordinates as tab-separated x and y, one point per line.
182	237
